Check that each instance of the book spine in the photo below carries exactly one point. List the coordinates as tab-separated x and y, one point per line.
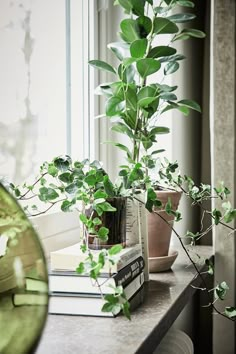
128	257
143	232
128	273
132	227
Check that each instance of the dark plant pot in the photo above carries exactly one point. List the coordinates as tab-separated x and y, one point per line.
115	222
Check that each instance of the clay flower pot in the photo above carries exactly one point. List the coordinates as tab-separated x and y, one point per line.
159	232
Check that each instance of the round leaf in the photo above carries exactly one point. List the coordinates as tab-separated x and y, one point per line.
138	48
114	106
164	26
145	25
130	30
161	51
147	66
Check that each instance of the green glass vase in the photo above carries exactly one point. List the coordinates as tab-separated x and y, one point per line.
23	280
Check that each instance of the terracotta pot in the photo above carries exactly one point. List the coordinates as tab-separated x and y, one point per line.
159	232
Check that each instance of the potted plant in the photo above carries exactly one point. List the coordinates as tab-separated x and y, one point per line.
86	187
134	103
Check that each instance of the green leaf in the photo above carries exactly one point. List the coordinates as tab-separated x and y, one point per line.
171	67
164	26
190	104
138	7
103	233
100	194
126	73
114	106
47	194
62	163
148	97
168	207
130	30
80	269
126	4
97	221
122	128
122	147
147	91
102	65
115	250
217	216
66	205
126	310
210	266
230	312
157	151
147	66
161	51
145	25
187	33
180	18
52	170
138	48
184	110
108	186
130	118
221	290
120	49
65	177
151	194
83	219
160	10
159	130
230	215
185	3
90	180
131	99
107	207
168	96
175	57
145	102
71	188
129	61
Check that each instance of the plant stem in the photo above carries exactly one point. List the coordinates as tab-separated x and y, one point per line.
193	263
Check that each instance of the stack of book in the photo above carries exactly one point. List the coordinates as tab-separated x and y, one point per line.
74	294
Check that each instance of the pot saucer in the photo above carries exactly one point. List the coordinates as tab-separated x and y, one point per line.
161	264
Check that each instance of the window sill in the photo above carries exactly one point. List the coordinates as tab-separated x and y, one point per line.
167	294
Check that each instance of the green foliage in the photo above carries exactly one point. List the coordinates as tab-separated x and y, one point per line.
221	290
135	104
230	312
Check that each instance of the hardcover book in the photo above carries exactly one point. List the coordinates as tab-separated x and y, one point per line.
69	281
69	258
82	304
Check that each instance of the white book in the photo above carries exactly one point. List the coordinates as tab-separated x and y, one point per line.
69	258
88	305
72	282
